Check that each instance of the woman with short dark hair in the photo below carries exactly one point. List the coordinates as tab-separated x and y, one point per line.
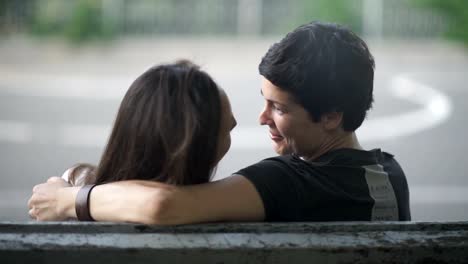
317	87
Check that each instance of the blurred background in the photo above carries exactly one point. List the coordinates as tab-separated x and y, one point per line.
65	66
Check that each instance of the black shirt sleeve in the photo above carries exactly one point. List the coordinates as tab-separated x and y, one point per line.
275	186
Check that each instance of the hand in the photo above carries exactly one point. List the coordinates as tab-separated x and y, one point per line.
44	202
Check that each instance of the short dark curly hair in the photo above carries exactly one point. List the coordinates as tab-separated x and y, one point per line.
326	68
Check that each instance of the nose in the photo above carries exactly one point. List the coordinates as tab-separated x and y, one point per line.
264	117
234	123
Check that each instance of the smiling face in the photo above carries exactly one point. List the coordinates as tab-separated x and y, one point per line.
291	128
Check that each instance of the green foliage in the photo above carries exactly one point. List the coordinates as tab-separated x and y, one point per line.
77	21
2	6
84	23
343	12
456	11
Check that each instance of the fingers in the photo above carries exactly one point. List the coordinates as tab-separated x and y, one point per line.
30	202
42	203
32	213
33	199
40	213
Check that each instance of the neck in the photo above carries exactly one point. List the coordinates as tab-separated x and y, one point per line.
346	140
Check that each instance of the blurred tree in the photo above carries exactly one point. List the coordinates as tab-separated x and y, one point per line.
12	15
85	22
343	12
78	21
2	6
457	13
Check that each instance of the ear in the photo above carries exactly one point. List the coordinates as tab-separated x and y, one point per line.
332	120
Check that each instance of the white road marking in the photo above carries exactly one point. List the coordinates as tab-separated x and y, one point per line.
15	131
84	135
438	194
435	108
63	86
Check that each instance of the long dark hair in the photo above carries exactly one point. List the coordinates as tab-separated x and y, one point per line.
166	129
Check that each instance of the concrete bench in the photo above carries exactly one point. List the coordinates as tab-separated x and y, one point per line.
347	242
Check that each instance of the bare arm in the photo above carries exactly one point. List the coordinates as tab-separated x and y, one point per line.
230	199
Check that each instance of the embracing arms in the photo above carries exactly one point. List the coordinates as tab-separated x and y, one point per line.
231	199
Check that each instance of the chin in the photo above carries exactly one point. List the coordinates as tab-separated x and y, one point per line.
282	150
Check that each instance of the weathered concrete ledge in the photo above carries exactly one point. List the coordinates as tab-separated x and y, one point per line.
346	242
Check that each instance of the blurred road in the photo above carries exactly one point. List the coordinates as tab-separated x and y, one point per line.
57	104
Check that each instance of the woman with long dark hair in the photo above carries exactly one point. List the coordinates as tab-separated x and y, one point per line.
173	126
317	86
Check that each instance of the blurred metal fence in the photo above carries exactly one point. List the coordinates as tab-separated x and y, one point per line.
374	18
402	19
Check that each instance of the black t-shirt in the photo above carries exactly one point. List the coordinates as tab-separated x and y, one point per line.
341	185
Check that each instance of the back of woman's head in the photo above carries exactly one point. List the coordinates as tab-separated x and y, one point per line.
166	129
